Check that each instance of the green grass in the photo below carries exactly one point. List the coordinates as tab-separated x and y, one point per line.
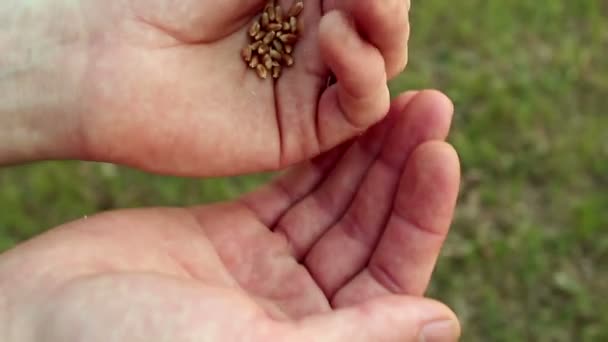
526	260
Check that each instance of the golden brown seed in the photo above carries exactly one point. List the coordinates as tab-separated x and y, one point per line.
296	9
293	22
269	4
288	38
269	8
254	62
276	72
278	13
265	20
262	71
274	35
260	35
263	49
247	53
269	37
256	45
277	45
287	59
275	27
268	61
275	54
255	28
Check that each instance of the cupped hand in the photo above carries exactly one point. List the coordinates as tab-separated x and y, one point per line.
338	249
164	87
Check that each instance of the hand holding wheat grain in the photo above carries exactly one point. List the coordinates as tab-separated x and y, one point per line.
161	84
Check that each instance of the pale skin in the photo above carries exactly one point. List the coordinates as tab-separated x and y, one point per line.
339	248
160	84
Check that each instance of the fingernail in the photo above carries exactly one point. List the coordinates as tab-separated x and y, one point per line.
440	331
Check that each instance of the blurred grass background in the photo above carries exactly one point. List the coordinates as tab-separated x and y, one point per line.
527	259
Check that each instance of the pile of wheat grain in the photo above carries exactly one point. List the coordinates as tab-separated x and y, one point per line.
273	36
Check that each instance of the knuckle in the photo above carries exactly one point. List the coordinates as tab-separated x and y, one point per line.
380	10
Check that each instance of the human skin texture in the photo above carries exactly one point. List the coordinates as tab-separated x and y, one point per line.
340	248
160	85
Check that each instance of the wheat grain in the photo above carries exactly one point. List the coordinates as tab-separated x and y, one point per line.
273	36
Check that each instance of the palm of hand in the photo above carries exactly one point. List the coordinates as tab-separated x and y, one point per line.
360	223
167	78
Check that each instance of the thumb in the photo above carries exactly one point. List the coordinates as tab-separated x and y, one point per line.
394	318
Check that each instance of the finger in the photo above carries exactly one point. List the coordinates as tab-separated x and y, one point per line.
271	201
406	255
388	319
305	222
361	97
354	237
384	23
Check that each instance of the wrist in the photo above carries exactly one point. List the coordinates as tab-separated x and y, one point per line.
41	64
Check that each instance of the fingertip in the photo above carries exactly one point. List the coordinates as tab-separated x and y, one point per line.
439	159
439	99
419	313
434	109
402	100
388	318
444	326
416	117
385	24
407	318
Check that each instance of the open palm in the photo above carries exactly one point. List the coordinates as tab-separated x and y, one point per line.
165	88
338	249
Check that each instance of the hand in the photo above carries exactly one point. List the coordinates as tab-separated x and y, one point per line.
160	85
338	249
